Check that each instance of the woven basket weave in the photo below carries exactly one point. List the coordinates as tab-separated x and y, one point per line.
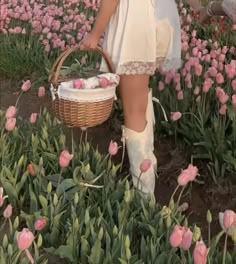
81	113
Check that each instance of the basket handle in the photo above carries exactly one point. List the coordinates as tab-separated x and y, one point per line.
57	65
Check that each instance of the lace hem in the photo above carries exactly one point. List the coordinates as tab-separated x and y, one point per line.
138	67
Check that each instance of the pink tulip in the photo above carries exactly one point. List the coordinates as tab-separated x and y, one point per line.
39	224
65	158
187	239
196	90
223	109
10	124
219	78
11	112
180	95
145	165
41	91
229	219
187	175
221	95
113	148
181	237
2	198
234	100
233	84
104	82
200	253
207	85
78	84
161	86
24	239
8	211
33	118
174	116
26	86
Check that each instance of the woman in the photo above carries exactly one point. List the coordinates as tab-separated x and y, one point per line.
141	35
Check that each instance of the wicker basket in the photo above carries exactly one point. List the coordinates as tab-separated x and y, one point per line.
92	107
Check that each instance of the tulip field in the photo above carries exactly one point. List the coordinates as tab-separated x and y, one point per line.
65	196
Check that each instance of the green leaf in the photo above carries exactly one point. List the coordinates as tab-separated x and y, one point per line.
44	204
66	185
84	250
33	201
63	251
96	251
20	184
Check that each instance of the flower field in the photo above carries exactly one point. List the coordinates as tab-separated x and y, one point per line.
62	200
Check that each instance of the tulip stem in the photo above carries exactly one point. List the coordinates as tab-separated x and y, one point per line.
172	196
59	180
182	256
72	145
225	249
17	100
170	256
209	235
180	195
139	178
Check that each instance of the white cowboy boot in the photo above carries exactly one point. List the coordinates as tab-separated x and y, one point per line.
150	117
138	148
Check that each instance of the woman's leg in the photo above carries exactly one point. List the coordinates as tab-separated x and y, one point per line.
134	97
138	129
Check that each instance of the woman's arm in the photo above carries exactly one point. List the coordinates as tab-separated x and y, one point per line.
107	8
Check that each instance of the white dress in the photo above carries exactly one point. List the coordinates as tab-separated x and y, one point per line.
143	35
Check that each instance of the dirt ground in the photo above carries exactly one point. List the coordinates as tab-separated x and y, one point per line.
171	158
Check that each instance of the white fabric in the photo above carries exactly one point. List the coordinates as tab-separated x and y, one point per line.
142	34
139	149
82	95
229	7
93	82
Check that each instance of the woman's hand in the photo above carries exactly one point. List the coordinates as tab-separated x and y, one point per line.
90	41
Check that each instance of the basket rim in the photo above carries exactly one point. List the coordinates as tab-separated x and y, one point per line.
110	87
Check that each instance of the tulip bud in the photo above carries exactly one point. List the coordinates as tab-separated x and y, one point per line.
55	199
16	223
8	211
115	231
145	165
76	198
76	224
24	239
11	112
209	217
39	241
65	158
113	148
26	86
5	241
10	250
172	204
127	196
168	221
39	224
234	235
41	91
196	233
49	187
100	234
